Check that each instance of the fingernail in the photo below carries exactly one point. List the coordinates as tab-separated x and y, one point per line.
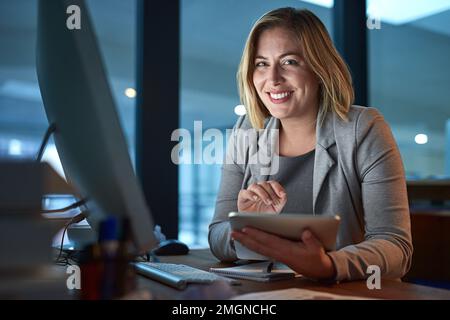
255	198
307	234
269	202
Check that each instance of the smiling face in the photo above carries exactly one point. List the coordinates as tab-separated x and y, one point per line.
284	82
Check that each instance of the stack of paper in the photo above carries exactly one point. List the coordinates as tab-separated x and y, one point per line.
26	255
257	272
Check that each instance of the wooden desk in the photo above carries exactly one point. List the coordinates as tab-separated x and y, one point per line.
203	259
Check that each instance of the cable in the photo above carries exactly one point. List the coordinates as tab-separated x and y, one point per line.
75	219
151	256
79	217
51	128
72	206
58	261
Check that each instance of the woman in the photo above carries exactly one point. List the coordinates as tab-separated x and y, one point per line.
332	157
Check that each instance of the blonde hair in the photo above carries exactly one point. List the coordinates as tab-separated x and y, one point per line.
336	90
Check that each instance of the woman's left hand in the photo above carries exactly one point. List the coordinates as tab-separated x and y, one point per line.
307	257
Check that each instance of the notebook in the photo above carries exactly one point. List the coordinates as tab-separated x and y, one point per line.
257	272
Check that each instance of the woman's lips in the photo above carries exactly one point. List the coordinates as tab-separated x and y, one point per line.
280	96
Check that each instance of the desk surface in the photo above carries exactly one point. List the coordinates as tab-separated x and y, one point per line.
203	259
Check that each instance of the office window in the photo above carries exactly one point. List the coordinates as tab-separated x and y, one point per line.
115	25
213	34
409	80
23	121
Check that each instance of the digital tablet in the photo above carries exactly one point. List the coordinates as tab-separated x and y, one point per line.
286	225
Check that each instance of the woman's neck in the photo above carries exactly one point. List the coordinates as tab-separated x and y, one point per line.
297	135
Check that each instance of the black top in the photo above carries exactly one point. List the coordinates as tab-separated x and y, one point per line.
296	176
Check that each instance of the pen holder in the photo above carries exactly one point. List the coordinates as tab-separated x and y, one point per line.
107	272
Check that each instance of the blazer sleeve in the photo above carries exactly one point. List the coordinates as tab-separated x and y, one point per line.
219	238
387	242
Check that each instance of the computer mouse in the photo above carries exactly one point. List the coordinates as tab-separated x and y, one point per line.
171	247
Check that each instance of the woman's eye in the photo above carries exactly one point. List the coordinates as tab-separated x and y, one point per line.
290	62
260	64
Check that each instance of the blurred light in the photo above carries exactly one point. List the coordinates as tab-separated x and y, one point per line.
240	110
23	90
396	12
130	93
322	3
404	11
421	138
15	147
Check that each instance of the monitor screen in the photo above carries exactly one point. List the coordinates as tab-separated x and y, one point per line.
88	136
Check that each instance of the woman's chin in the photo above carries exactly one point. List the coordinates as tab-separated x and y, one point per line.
279	114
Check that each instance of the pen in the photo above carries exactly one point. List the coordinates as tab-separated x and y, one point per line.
269	267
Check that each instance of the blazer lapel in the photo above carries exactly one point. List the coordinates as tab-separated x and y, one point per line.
323	162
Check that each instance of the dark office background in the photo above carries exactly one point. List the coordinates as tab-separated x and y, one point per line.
407	70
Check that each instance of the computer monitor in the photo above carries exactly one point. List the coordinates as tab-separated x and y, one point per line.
88	136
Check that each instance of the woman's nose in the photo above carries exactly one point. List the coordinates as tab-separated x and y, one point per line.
275	75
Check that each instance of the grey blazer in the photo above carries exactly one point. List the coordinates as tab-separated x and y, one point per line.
358	174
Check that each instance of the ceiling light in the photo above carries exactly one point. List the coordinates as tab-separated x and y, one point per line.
421	138
240	110
130	93
15	147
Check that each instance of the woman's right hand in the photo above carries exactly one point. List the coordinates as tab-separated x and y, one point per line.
265	196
